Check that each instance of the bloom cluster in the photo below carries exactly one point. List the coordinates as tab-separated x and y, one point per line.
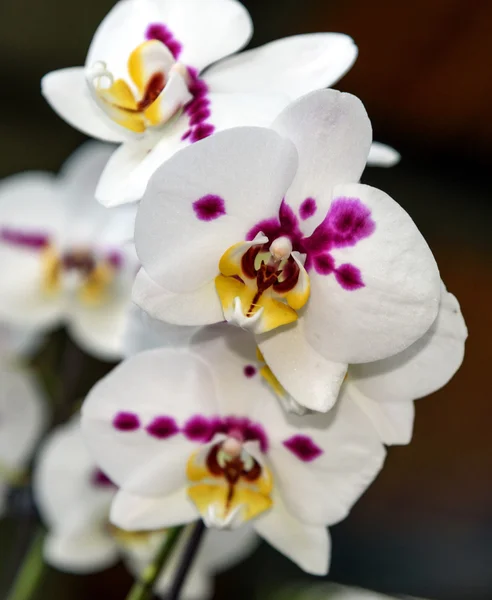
288	315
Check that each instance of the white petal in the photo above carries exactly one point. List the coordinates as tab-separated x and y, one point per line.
83	554
243	174
332	134
201	307
23	417
350	456
153	384
312	380
139	513
128	172
393	420
68	94
399	296
425	366
294	66
145	333
69	502
381	155
307	545
206	32
222	549
18	342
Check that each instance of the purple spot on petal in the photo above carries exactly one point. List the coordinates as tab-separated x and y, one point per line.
186	135
349	277
307	208
253	432
163	427
159	31
200	428
115	259
349	221
126	421
250	371
209	207
199	116
324	264
201	132
303	447
35	241
100	479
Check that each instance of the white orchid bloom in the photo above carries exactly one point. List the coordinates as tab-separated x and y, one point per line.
198	433
144	86
74	499
269	230
23	413
65	258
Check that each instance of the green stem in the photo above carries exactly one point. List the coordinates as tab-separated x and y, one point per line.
30	572
142	589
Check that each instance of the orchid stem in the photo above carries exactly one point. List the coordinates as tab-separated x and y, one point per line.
30	572
142	589
186	561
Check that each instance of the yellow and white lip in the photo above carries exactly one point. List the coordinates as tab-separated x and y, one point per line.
228	490
92	287
243	303
158	88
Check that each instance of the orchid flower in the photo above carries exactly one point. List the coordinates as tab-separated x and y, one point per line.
144	86
65	258
23	413
268	229
198	433
74	499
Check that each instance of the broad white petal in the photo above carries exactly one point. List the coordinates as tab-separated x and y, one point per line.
382	292
312	380
133	419
306	545
139	513
200	32
332	134
293	66
201	307
82	554
127	174
424	367
393	420
381	155
68	94
205	199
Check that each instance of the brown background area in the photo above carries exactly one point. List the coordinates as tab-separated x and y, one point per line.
425	526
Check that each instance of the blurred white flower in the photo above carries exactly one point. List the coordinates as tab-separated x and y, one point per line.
74	499
269	230
65	258
198	433
142	83
23	414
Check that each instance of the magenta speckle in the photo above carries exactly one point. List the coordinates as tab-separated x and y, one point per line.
186	135
307	208
209	208
126	421
349	277
303	447
349	221
249	371
162	428
255	432
200	429
115	259
201	131
199	116
159	31
34	241
100	479
324	264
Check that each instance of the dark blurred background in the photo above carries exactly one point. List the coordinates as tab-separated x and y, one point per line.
425	527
